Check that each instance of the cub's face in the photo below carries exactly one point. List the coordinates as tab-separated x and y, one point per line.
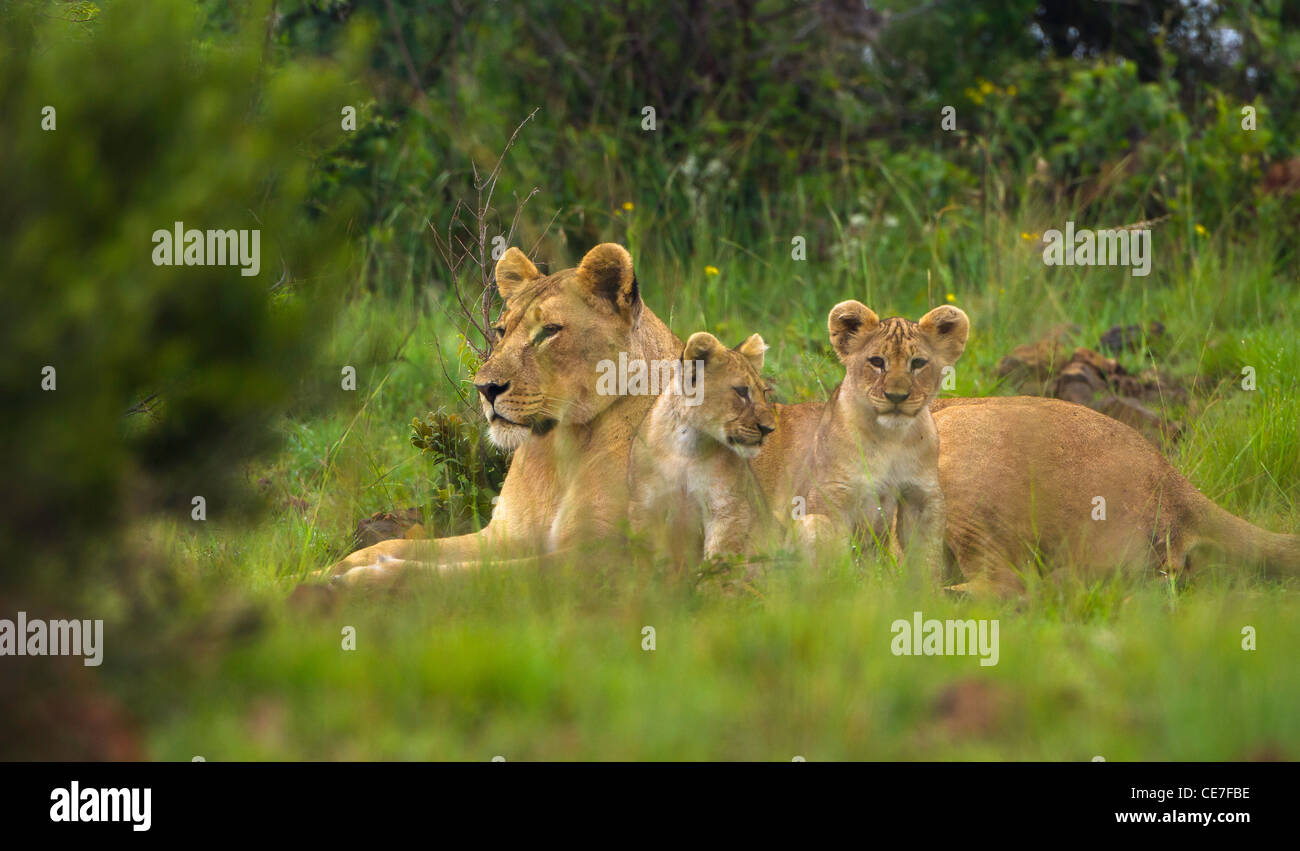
549	338
731	392
894	368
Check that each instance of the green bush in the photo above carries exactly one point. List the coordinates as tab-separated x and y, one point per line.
165	377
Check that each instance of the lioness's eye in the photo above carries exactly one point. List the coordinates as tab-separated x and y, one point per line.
500	331
547	331
742	392
917	363
878	363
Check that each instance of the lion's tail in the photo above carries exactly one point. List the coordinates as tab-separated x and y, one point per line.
1244	543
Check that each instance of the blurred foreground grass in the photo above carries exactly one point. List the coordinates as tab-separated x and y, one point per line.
550	666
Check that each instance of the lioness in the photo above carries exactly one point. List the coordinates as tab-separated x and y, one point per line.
869	456
690	475
567	481
1039	481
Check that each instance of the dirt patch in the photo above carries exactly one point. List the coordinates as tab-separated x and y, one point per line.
971	709
57	708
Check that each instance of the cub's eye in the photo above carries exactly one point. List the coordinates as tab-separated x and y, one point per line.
546	332
917	363
742	392
878	363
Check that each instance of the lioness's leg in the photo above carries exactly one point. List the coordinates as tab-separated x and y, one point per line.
487	547
387	571
460	548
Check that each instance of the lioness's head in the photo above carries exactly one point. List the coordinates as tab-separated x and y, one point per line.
732	405
552	332
895	367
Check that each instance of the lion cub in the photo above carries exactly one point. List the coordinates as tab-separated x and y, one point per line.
689	476
874	459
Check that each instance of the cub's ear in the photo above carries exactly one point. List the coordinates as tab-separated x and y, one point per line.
701	346
752	350
946	328
607	271
849	323
514	270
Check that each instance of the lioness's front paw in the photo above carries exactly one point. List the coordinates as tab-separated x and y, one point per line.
358	577
360	558
334	571
377	574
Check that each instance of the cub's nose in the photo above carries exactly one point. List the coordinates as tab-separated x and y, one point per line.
896	398
765	430
491	390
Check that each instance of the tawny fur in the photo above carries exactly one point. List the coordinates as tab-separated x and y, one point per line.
567	481
866	461
1018	474
691	487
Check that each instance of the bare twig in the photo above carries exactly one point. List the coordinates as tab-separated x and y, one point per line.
466	248
144	406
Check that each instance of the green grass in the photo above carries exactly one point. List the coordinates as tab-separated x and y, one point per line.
533	665
552	667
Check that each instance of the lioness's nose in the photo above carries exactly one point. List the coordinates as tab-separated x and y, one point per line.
895	397
492	390
765	430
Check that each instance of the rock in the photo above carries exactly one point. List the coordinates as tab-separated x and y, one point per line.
1129	337
1049	367
1029	368
384	526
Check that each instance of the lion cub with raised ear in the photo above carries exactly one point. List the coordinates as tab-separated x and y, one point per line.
689	476
874	460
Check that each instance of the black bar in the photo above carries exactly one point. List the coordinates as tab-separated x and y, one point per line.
332	800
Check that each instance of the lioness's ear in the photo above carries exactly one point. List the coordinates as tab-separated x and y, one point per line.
607	271
700	346
947	328
514	270
753	349
849	323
